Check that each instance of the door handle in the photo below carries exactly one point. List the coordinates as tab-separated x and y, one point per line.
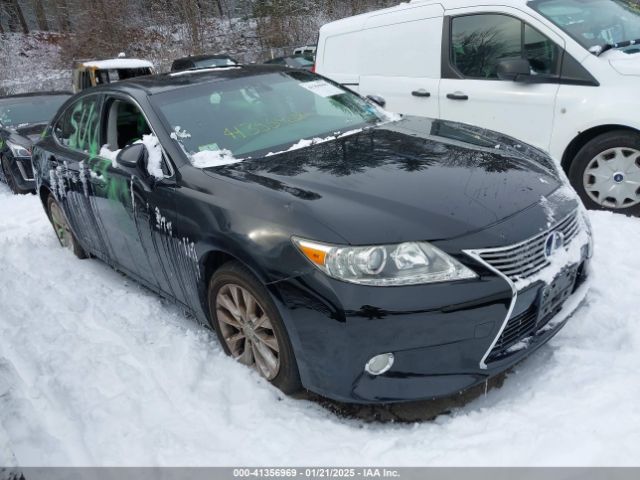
457	96
421	93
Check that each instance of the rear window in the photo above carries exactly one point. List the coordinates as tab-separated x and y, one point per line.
251	116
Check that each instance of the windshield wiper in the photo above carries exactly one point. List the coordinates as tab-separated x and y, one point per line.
598	50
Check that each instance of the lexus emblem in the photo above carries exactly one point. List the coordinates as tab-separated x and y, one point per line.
554	242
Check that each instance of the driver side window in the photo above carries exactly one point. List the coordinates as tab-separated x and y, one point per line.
124	124
479	42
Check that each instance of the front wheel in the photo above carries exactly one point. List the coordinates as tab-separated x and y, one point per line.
606	172
250	328
62	229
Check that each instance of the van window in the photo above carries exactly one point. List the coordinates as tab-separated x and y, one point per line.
480	42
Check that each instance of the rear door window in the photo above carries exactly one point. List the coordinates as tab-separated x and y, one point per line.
78	127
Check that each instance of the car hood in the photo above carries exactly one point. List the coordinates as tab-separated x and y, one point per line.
625	64
30	133
416	179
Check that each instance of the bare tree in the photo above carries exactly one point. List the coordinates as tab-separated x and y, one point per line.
41	15
15	17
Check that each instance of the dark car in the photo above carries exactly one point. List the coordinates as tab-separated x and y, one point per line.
202	61
330	245
294	61
23	118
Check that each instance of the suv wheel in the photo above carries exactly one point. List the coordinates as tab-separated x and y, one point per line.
250	328
606	172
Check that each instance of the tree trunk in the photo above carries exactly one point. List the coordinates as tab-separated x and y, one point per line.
41	15
20	16
61	10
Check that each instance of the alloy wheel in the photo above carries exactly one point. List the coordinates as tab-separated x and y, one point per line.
247	330
612	178
61	226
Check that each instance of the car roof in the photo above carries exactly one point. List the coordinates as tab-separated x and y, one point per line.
354	23
165	82
115	63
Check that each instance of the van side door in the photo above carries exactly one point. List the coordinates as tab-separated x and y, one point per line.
475	41
400	59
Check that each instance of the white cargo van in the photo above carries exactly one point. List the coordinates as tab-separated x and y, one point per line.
562	75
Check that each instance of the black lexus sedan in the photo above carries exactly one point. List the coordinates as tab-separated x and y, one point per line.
22	120
332	246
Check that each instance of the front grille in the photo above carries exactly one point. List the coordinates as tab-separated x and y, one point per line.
517	328
525	259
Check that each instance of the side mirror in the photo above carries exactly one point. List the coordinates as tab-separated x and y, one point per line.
515	69
134	157
378	100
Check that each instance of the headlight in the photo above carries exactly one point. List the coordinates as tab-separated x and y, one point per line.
18	150
411	263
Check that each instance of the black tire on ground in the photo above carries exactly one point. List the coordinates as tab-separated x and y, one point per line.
598	145
11	182
61	228
234	274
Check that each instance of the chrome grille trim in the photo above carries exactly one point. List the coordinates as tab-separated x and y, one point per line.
569	224
523	260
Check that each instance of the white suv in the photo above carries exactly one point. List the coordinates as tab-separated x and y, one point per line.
559	74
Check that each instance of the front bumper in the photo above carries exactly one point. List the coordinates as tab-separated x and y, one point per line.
22	173
438	333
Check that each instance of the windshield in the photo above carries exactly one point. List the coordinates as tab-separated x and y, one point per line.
116	74
22	111
594	22
255	115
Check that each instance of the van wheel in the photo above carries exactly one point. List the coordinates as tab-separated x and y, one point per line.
62	229
249	326
606	172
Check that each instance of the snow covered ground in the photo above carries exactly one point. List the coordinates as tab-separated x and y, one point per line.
95	370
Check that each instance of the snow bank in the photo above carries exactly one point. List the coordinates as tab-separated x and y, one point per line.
102	372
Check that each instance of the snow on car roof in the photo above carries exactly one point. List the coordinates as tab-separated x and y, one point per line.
118	63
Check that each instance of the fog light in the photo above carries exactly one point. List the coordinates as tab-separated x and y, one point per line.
380	364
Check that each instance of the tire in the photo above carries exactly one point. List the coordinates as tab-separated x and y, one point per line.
605	170
62	229
231	277
11	182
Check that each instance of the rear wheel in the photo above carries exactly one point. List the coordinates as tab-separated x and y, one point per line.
62	229
8	175
249	326
606	172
